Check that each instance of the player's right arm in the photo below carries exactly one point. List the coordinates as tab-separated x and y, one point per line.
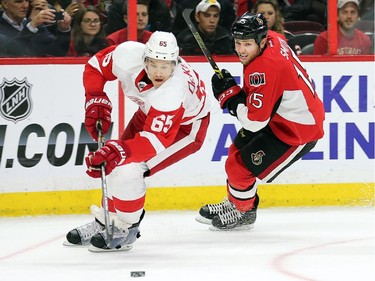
98	107
98	70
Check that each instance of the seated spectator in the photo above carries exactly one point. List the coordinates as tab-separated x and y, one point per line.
143	35
69	6
227	14
72	6
243	6
88	36
159	16
33	35
216	38
350	41
270	10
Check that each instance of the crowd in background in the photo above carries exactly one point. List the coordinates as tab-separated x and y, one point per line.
30	27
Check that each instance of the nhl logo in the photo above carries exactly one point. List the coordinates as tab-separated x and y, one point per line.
15	100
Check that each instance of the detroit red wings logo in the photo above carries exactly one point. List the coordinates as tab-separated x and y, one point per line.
257	79
15	100
257	157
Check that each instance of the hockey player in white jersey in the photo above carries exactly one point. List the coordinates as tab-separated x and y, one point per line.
170	124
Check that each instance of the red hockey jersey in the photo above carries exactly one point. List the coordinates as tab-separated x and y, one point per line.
281	95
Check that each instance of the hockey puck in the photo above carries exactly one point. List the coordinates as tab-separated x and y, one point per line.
137	273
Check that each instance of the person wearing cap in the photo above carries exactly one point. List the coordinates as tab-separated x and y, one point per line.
350	40
216	38
227	14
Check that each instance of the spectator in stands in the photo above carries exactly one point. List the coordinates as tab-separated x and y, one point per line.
270	10
216	38
87	36
243	6
40	34
350	41
307	10
69	6
159	16
142	22
227	14
72	6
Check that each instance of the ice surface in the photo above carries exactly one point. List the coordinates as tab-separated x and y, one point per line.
316	244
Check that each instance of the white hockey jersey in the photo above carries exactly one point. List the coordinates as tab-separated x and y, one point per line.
179	101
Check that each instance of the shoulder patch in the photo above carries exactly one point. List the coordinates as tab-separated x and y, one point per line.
256	79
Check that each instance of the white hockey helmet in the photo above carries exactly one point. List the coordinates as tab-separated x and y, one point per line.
162	46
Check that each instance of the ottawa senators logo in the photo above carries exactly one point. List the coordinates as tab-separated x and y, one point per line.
257	157
15	100
257	79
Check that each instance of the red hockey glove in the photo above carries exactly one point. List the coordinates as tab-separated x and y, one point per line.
226	91
112	154
98	107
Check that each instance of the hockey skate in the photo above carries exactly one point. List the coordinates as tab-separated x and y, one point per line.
232	219
207	212
122	240
81	235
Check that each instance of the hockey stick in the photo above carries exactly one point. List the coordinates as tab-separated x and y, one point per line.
108	228
186	14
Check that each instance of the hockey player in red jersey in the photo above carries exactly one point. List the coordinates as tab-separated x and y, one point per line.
280	113
170	124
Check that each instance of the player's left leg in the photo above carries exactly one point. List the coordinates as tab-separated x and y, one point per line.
126	200
253	156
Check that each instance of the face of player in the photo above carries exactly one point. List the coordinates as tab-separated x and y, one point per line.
348	16
269	13
159	71
247	50
16	9
90	23
209	20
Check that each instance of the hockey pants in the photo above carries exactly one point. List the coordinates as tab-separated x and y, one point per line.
256	157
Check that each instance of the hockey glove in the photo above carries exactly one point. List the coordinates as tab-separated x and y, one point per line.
112	154
98	108
227	92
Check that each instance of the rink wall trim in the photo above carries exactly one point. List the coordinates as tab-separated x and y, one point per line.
189	198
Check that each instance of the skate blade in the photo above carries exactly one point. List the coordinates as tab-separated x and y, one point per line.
203	220
124	248
68	244
238	228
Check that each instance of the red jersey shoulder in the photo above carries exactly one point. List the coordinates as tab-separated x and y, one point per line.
106	54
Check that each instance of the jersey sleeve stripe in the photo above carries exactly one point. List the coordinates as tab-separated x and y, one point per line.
95	64
155	142
253	126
